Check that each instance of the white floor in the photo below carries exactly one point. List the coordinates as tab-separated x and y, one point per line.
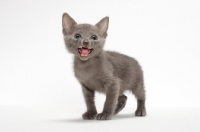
65	119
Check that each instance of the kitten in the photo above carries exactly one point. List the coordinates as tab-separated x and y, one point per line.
103	71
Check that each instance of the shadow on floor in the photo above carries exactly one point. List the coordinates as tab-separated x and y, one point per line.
80	120
123	116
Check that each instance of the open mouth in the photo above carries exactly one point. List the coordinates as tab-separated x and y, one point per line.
85	51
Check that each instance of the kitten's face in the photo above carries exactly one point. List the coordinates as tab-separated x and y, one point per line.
84	40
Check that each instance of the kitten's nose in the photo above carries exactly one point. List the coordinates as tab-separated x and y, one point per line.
85	42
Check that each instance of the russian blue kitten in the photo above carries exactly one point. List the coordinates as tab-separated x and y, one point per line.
107	72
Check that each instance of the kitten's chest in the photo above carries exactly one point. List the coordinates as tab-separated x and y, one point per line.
89	77
85	74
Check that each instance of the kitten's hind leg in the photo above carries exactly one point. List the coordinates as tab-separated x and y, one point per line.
141	111
120	104
139	93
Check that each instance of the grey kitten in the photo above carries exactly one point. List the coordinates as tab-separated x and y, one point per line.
103	71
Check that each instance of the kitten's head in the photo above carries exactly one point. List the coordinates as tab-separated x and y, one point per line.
84	40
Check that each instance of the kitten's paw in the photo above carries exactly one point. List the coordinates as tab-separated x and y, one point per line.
89	116
140	112
104	116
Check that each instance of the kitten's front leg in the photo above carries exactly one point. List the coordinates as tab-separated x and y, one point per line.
91	112
110	103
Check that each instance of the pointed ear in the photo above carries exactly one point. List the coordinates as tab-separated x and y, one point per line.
102	25
68	23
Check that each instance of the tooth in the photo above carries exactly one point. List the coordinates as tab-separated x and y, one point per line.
79	50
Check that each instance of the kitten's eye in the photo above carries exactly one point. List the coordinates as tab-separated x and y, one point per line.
77	36
94	37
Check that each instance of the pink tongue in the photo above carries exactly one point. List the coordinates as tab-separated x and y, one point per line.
84	52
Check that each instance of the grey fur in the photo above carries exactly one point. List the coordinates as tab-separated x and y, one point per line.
107	72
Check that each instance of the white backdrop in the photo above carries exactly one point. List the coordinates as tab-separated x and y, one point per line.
164	36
